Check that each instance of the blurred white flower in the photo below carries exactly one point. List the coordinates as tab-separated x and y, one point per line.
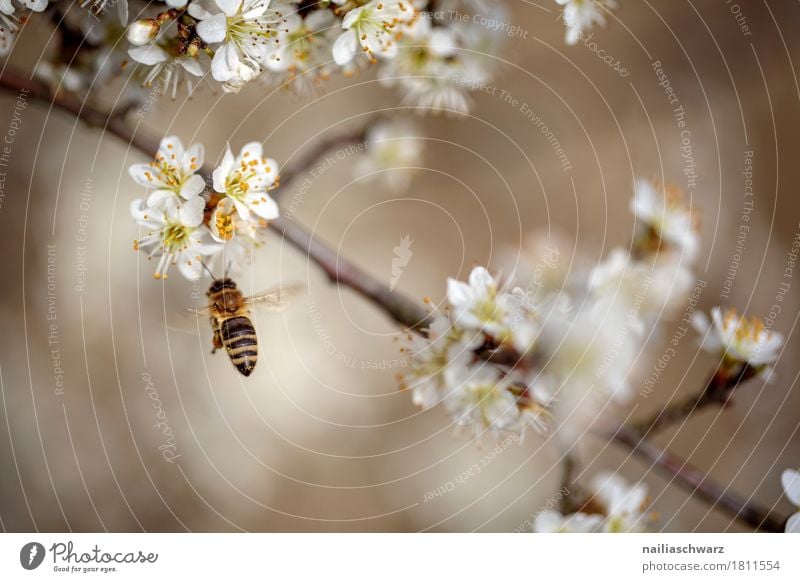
647	290
173	174
246	179
239	237
372	28
434	75
555	522
8	26
667	215
790	479
623	504
482	399
175	234
437	361
542	266
581	15
741	340
394	151
303	51
482	305
245	31
60	77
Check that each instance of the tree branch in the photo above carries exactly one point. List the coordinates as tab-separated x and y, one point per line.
698	483
403	310
400	308
718	391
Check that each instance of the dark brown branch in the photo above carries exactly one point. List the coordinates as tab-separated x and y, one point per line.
301	164
401	309
718	391
698	483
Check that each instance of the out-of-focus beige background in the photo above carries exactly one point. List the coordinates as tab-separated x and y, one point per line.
316	440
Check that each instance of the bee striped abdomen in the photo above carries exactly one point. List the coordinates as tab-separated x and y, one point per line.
239	338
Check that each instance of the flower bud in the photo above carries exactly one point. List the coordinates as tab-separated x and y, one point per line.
143	31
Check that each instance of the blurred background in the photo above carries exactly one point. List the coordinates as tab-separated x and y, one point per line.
319	438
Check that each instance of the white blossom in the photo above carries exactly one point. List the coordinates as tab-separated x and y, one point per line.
173	173
167	68
581	15
664	210
303	50
482	399
437	361
555	522
141	32
647	290
8	27
790	479
623	504
482	305
372	28
434	75
247	179
244	32
394	151
238	236
175	234
738	338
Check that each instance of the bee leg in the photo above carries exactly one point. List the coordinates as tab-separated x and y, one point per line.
216	341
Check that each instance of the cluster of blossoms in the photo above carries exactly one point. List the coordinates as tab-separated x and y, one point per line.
571	334
434	53
188	226
189	223
300	44
9	19
614	507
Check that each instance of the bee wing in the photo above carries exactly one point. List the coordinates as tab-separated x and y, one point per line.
189	321
275	299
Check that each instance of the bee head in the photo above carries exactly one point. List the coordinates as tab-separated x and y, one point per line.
220	284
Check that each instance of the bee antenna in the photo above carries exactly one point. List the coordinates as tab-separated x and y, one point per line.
213	278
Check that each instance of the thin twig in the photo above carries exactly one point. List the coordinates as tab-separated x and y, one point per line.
718	391
400	308
698	483
403	310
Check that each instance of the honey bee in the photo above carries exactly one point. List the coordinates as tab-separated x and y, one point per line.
233	329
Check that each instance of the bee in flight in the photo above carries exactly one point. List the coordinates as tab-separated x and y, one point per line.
233	329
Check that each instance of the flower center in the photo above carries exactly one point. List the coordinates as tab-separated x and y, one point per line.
175	237
224	224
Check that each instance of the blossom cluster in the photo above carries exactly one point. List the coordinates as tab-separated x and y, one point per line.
433	53
570	333
299	45
189	225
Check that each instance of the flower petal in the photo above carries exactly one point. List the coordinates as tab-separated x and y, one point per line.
793	523
191	212
222	171
192	187
345	47
264	206
148	55
790	479
213	29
